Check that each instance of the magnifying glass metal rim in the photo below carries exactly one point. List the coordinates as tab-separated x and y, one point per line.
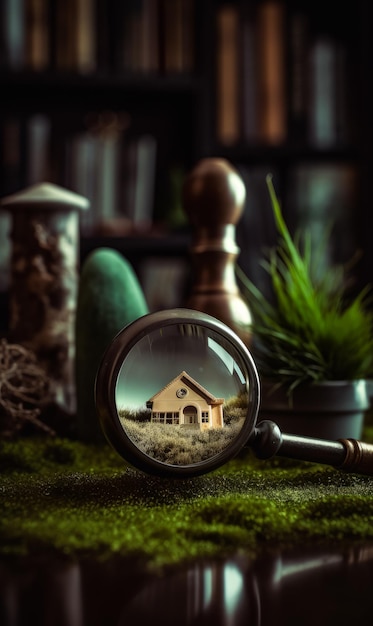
106	383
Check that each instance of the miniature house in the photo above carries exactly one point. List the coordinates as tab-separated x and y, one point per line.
185	402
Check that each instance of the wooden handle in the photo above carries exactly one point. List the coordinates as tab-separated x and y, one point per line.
359	456
345	454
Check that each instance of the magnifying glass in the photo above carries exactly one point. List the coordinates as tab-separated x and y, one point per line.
178	395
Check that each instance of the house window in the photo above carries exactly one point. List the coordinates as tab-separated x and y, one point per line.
158	417
182	392
205	417
166	418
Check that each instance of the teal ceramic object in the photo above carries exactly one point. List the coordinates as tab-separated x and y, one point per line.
109	297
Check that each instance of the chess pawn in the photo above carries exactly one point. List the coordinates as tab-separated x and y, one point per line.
213	199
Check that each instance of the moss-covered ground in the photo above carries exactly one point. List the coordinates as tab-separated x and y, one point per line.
64	498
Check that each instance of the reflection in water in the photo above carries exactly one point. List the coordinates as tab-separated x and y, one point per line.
219	594
291	589
58	590
234	592
324	588
182	394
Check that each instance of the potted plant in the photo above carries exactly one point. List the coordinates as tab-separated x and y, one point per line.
312	345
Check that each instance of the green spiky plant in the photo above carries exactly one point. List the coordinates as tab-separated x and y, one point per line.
309	332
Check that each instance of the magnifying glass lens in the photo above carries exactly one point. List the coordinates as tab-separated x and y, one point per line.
183	392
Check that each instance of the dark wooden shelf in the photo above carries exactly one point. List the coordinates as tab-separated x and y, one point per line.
177	83
26	92
138	246
252	154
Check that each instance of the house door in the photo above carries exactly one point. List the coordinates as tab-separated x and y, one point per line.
190	415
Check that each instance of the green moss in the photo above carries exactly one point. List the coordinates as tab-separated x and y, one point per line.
44	456
69	498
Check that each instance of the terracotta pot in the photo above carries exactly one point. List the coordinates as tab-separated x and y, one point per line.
327	410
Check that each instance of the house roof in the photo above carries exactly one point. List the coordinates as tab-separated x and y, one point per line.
187	380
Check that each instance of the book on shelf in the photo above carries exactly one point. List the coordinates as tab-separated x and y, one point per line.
81	174
138	37
164	281
256	232
251	102
84	39
329	105
342	112
106	37
276	80
75	35
177	29
38	143
228	74
12	34
5	249
323	94
321	199
249	81
93	159
61	25
318	79
298	75
11	132
107	159
85	36
188	41
150	50
37	42
271	74
139	181
116	173
10	163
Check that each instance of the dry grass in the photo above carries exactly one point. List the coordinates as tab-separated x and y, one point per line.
179	444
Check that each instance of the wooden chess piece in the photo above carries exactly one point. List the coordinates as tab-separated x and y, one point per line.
213	199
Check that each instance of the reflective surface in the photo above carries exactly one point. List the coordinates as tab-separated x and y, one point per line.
177	392
326	588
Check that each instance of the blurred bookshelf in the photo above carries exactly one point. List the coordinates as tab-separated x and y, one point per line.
299	106
118	100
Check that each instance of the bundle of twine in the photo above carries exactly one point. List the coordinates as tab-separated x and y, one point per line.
24	389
